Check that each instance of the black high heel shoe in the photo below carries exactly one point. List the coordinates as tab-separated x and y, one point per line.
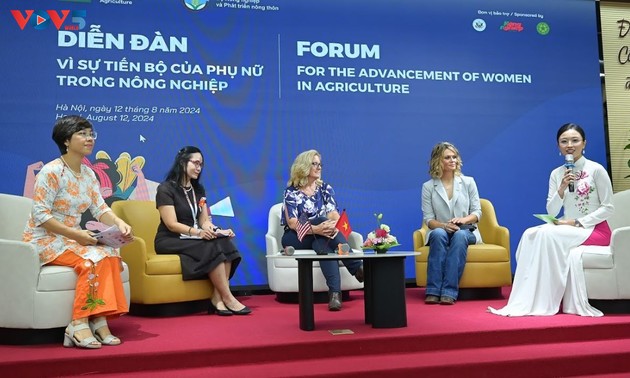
244	311
213	310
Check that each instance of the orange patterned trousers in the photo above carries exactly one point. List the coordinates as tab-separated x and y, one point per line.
99	290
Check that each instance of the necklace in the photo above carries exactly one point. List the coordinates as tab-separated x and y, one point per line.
309	190
187	189
75	174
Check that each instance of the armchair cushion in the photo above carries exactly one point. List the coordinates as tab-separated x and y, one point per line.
598	257
164	264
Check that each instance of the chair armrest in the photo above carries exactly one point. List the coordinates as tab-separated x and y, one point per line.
620	238
135	256
499	236
355	240
271	245
18	261
419	237
135	253
619	248
19	272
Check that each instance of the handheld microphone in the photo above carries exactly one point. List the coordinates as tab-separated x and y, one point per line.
568	163
289	250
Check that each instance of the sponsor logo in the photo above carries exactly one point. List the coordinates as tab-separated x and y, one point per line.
509	26
64	19
543	28
195	5
479	25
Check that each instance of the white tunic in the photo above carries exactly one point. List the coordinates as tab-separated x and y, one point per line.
546	272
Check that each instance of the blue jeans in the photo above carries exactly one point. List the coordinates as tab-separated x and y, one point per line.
330	268
447	258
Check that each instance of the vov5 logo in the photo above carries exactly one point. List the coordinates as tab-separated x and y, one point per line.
41	19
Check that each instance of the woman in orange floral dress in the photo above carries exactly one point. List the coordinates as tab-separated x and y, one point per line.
65	189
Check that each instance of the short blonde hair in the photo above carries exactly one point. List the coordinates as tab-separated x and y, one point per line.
302	167
435	164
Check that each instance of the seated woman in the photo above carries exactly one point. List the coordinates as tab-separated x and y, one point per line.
307	194
547	273
205	250
65	189
450	208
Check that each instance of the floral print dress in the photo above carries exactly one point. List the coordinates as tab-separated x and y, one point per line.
61	195
319	204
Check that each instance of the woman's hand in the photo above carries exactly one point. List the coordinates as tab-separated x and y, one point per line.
450	226
223	232
124	228
566	179
458	221
453	224
327	228
203	233
84	237
210	234
565	222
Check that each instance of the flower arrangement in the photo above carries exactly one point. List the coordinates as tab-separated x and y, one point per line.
380	240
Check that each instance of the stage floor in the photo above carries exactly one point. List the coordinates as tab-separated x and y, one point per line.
271	333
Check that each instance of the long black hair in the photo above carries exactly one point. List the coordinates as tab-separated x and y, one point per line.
178	169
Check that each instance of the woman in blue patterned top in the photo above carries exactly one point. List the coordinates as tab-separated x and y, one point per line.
307	194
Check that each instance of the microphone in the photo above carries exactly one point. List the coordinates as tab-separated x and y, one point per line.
568	163
289	250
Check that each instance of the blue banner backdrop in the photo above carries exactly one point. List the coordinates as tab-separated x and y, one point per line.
372	85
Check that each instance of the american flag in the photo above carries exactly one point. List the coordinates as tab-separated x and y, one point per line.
303	226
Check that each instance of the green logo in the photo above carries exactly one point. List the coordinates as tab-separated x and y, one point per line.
542	28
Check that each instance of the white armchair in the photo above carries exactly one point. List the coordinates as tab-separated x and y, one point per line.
283	273
31	297
607	268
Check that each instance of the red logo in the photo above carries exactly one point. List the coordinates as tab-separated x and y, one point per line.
512	26
40	19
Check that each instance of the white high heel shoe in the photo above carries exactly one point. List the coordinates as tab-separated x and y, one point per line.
107	340
69	340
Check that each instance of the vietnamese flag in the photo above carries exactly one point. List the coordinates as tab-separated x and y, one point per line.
343	224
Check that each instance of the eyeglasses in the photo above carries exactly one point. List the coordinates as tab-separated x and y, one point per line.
87	134
316	164
565	142
197	163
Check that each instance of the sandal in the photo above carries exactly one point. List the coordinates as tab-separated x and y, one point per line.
70	340
107	340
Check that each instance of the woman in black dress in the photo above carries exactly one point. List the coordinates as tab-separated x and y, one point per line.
205	250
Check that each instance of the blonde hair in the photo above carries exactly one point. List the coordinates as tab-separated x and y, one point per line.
435	164
302	167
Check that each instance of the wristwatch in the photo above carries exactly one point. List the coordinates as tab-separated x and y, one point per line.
578	224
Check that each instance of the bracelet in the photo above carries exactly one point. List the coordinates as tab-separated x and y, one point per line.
189	229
